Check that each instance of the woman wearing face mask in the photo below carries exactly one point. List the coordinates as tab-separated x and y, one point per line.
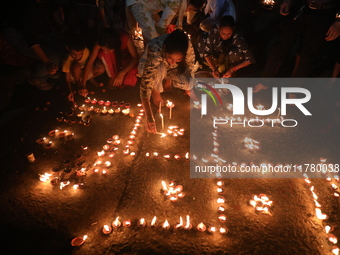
168	60
224	50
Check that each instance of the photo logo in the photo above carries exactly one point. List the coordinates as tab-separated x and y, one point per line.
238	99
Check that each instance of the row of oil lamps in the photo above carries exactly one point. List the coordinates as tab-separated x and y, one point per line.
321	216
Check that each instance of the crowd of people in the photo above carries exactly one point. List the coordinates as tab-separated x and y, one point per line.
179	37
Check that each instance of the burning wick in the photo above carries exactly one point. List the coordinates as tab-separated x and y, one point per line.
170	105
187	225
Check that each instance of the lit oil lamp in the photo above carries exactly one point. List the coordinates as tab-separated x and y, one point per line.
222	218
212	229
107	229
201	227
94	101
78	240
127	223
142	222
223	230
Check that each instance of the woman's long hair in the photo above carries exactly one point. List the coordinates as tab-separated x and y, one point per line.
110	38
177	42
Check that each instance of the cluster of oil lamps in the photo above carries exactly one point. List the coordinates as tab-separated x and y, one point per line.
47	143
221	209
175	131
104	107
261	203
251	144
321	216
182	224
173	191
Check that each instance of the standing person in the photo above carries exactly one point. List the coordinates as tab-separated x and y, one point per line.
314	22
224	50
215	10
168	60
146	13
119	56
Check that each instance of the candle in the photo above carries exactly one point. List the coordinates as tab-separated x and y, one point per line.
97	110
220	209
48	145
106	229
333	239
335	250
41	140
107	103
220	183
90	109
117	110
93	101
126	111
106	147
78	240
127	105
115	104
320	215
104	111
107	163
111	111
116	223
121	104
52	132
220	200
87	100
170	105
82	108
187	224
101	102
162	119
45	177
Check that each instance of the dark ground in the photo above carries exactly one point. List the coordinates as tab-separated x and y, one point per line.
38	218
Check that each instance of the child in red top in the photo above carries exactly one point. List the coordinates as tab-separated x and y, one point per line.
119	56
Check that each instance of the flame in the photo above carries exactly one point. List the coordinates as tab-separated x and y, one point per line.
320	215
187	225
333	239
166	224
85	237
117	222
180	222
328	229
164	186
201	226
223	230
45	177
317	204
106	228
153	222
335	250
63	184
221	209
220	200
142	221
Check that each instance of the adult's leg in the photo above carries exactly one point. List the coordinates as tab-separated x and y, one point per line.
145	20
288	33
312	38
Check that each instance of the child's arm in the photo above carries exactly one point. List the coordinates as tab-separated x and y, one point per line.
88	67
133	62
70	96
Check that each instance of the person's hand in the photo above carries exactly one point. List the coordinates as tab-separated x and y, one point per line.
191	94
216	74
284	8
83	91
151	127
70	97
258	87
51	68
228	74
333	32
118	81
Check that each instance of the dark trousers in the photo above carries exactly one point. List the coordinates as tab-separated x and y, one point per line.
311	28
